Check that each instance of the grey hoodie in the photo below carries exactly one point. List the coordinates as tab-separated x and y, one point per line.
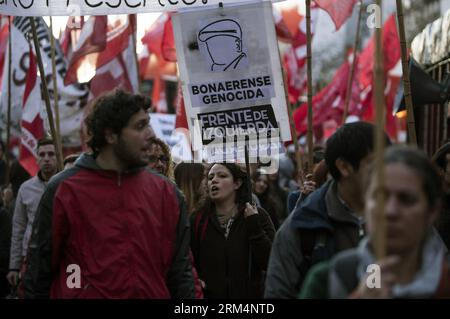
424	284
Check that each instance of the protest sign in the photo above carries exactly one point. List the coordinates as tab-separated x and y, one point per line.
164	127
231	74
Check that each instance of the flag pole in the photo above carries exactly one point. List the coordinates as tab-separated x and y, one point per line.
348	93
298	156
309	74
406	81
8	112
136	59
56	141
380	224
55	85
247	168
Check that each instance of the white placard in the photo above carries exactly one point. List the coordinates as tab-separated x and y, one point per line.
230	73
164	127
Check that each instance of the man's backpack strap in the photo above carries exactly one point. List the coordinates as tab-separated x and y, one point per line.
315	247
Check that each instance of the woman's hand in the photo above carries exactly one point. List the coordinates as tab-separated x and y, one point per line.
367	288
309	185
250	210
7	195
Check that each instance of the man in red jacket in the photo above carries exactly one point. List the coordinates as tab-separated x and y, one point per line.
108	227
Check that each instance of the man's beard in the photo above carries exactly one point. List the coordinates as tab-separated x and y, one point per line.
126	155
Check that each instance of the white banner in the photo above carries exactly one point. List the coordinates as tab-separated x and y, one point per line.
101	7
231	74
71	97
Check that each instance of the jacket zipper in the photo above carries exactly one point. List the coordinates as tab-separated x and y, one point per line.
119	180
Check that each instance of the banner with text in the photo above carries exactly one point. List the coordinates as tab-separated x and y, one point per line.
100	7
231	74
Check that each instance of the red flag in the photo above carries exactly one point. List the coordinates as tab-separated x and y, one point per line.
32	125
168	42
391	59
181	118
339	10
92	40
328	104
159	39
281	27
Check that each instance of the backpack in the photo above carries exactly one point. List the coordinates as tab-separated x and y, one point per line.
316	246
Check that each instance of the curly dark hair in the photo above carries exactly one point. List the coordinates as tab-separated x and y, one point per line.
112	111
242	195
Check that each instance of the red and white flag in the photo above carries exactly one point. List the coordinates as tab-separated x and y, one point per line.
294	59
70	36
339	10
32	124
116	64
92	41
71	97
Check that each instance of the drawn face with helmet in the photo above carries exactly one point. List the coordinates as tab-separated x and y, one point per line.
223	41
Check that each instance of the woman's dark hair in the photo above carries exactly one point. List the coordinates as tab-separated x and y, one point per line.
258	173
439	158
418	161
112	111
188	177
242	195
351	142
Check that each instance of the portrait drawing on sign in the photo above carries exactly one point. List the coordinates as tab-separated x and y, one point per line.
221	40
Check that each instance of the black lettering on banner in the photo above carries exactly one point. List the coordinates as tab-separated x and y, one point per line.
114	6
186	2
24	67
132	5
27	6
173	2
93	5
254	121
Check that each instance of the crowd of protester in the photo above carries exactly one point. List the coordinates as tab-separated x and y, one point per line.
140	226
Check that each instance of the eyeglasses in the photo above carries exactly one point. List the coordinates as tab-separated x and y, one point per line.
163	159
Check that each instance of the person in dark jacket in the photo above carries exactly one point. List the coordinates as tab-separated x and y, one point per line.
328	220
442	160
416	264
109	227
231	239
